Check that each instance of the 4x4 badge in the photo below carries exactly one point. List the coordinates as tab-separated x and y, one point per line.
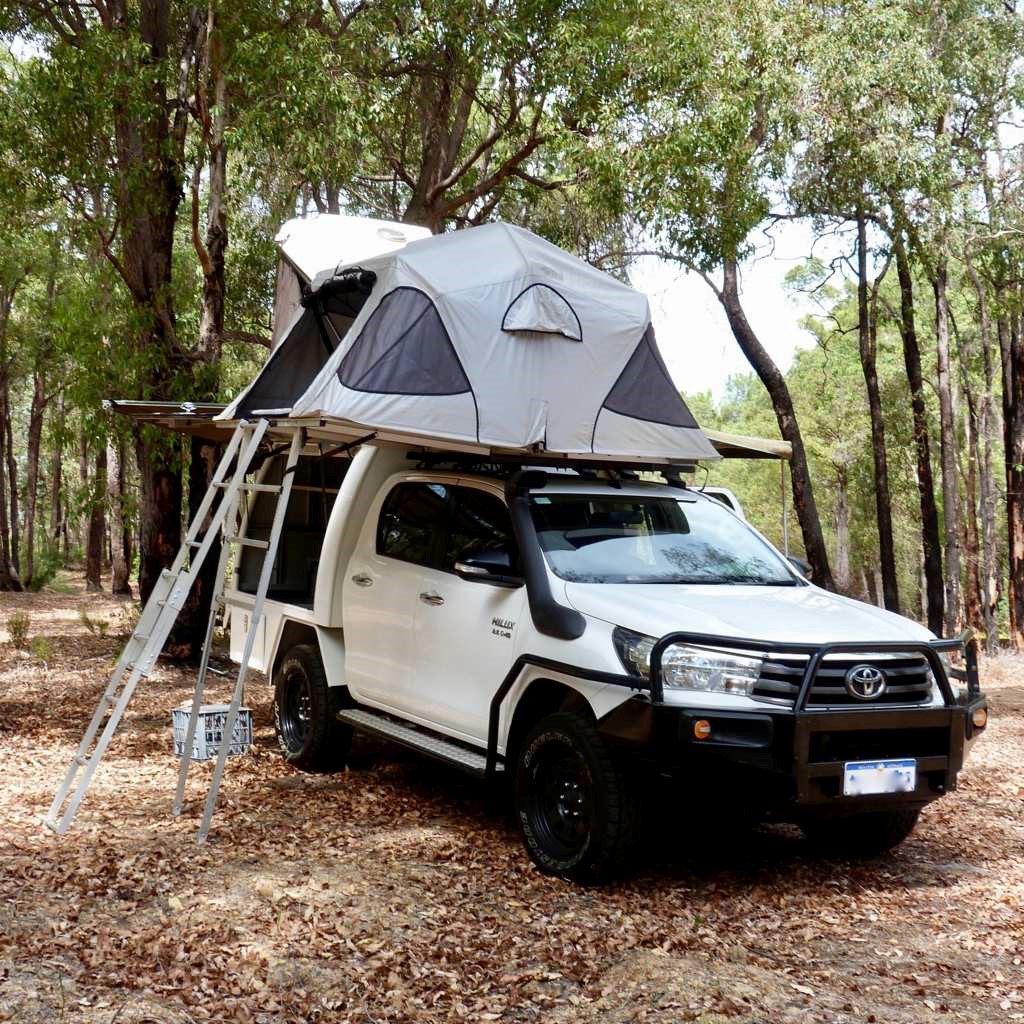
865	682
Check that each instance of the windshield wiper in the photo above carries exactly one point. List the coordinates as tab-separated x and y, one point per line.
719	581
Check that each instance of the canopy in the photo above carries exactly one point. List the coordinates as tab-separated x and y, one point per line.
489	337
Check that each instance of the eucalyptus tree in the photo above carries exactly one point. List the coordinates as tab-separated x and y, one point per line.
443	115
858	147
706	149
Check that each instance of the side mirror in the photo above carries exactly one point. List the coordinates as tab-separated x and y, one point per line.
494	567
801	565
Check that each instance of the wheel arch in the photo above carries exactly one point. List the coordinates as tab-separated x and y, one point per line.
326	640
542	696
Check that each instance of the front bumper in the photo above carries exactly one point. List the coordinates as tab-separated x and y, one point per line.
790	763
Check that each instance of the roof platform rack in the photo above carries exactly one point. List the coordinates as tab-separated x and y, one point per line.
198	418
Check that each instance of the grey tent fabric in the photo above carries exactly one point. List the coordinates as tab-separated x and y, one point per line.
541	309
404	349
471	338
289	371
645	390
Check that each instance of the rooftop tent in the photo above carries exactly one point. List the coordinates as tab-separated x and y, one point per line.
495	339
309	246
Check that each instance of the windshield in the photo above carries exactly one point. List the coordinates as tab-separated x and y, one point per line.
623	539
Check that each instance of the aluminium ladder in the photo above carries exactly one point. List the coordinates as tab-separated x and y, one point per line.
220	504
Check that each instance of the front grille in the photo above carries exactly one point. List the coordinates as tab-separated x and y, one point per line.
908	680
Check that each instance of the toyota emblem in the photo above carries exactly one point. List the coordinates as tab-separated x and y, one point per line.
865	682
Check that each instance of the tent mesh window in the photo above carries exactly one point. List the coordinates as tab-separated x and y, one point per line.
645	390
404	349
540	309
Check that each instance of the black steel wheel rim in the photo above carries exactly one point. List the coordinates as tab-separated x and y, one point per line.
295	710
560	802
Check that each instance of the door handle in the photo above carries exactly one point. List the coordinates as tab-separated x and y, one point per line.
431	597
362	579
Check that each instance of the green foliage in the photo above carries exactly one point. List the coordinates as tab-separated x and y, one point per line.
96	627
42	648
18	624
48	563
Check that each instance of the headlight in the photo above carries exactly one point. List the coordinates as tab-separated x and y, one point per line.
688	668
692	668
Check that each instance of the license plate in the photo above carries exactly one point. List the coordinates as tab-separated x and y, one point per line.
868	778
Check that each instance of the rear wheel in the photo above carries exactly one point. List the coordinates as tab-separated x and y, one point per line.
861	835
577	809
309	735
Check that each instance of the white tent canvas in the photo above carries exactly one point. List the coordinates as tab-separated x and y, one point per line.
490	337
311	245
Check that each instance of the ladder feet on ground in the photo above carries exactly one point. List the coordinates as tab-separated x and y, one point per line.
217	513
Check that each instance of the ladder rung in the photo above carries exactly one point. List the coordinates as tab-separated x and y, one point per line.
80	760
243	601
254	488
248	542
51	825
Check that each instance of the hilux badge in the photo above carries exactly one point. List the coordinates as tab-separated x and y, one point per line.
865	682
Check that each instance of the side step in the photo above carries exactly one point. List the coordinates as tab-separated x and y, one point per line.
376	723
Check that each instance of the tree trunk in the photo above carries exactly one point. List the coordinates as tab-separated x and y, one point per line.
934	594
987	426
119	557
971	536
56	478
782	403
212	253
867	344
947	451
12	476
97	524
190	630
1013	431
149	142
9	579
35	434
160	494
842	522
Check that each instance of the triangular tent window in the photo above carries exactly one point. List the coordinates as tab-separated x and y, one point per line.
290	370
404	349
645	391
539	309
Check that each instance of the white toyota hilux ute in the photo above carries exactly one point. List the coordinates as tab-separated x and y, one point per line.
581	634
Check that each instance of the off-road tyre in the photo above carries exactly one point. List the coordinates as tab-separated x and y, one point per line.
860	835
308	733
578	808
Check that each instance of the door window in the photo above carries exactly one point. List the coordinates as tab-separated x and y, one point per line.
479	521
413	523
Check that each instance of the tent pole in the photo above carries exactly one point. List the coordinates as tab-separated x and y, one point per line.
785	513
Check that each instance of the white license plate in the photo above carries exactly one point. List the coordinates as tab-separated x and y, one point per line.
868	778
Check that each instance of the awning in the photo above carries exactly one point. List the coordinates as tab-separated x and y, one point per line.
741	446
183	417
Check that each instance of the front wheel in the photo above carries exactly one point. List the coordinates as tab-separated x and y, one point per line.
861	835
309	735
577	809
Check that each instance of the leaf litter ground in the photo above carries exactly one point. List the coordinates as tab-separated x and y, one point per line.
391	892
